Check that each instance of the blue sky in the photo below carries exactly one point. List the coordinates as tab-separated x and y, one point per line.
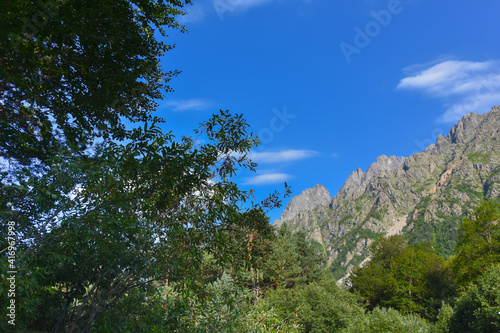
331	85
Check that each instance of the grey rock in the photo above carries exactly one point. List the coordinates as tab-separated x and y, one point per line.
308	200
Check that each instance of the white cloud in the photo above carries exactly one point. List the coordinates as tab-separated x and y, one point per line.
282	156
234	5
334	155
477	104
194	13
270	178
225	6
465	86
194	104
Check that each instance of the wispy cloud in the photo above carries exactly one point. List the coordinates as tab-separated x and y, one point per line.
194	13
235	5
464	86
194	104
266	179
228	6
282	156
270	176
201	9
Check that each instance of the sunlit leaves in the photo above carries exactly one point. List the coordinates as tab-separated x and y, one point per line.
478	245
410	278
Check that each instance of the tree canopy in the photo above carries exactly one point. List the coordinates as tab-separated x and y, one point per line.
410	278
478	244
71	71
478	308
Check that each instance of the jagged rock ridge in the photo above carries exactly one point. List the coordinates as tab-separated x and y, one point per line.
307	200
424	196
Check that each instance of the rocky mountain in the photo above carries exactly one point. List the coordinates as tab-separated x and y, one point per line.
424	197
309	199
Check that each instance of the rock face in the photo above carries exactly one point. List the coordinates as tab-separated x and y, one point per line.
424	196
309	199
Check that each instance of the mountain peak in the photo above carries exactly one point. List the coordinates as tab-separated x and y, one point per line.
309	199
355	183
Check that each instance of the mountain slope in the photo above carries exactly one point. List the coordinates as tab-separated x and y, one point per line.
424	196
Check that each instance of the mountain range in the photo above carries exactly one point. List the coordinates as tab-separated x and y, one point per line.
423	197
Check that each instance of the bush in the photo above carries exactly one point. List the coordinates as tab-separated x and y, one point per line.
382	320
318	307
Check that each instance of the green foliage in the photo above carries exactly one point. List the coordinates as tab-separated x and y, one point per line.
412	279
443	320
377	214
468	189
442	234
382	320
373	279
292	260
478	308
267	321
478	157
128	215
422	281
73	73
73	70
338	268
318	307
446	235
140	310
26	284
223	307
479	243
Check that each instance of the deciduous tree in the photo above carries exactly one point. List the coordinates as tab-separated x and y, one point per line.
410	278
478	308
478	246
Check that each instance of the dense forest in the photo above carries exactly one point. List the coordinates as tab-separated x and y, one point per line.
111	224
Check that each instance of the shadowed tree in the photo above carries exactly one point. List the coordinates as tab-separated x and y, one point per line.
71	71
